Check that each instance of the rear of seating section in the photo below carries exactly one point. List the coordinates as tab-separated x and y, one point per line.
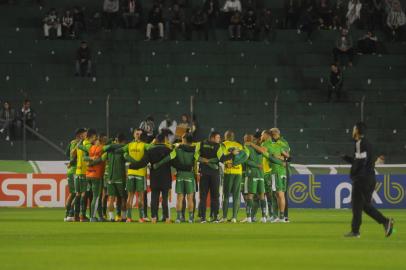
234	85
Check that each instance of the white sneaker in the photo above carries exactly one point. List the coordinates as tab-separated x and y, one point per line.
244	220
70	219
177	221
65	219
287	220
223	220
269	219
263	220
274	219
233	220
249	220
281	220
7	138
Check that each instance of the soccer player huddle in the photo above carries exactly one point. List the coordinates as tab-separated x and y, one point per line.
110	176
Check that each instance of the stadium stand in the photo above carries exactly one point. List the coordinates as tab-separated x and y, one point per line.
234	84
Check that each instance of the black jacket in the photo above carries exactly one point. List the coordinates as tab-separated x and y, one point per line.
363	166
161	177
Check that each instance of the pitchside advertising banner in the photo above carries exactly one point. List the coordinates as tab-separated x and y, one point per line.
305	191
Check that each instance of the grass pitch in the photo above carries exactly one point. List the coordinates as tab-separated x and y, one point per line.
39	239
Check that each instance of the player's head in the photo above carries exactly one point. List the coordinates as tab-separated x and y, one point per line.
80	133
229	135
160	138
102	138
137	134
187	138
275	133
265	135
359	130
120	138
248	138
91	135
215	137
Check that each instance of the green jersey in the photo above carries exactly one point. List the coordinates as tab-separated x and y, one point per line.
71	153
253	165
273	151
115	168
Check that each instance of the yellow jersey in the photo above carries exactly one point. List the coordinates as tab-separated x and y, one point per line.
81	165
136	150
235	169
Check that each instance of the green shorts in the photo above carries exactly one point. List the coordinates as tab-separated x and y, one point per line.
268	182
185	185
115	189
71	183
254	185
279	183
81	184
243	185
136	184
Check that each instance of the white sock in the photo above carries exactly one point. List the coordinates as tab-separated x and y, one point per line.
123	214
111	215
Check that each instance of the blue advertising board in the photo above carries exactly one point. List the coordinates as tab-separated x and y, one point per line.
334	191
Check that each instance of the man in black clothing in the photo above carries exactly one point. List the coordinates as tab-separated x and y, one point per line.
83	62
335	83
161	177
209	175
363	183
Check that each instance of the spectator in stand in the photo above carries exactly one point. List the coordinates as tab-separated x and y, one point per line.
368	44
325	14
211	8
353	12
168	127
7	118
148	126
229	9
292	13
267	25
155	21
344	47
132	12
110	10
83	60
368	15
307	23
249	4
231	6
67	24
335	83
396	22
51	21
79	22
234	28
199	24
339	12
250	25
27	115
176	23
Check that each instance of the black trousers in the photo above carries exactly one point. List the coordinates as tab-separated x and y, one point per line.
209	182
155	193
362	190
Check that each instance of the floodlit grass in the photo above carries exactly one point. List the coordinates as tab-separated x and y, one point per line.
39	239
